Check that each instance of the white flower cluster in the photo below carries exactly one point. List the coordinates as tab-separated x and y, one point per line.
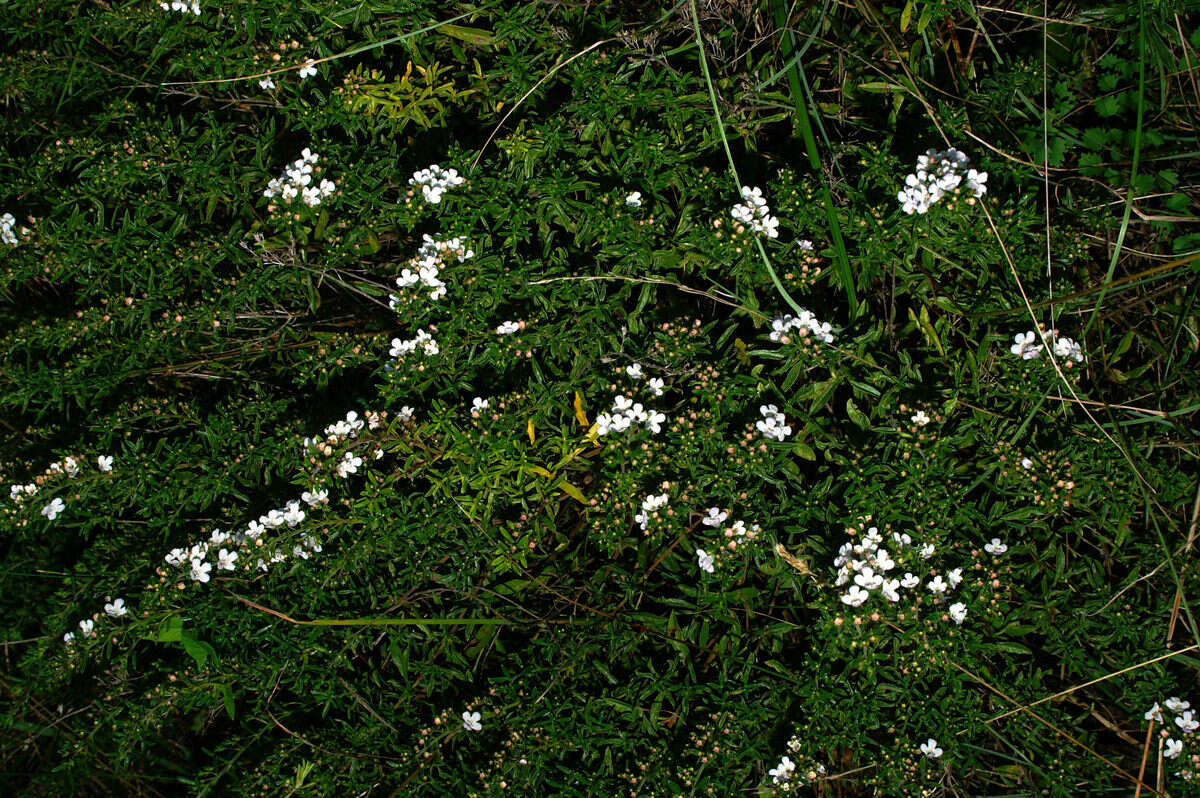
181	7
868	565
755	213
785	775
297	180
422	339
425	267
230	551
650	505
773	424
434	181
87	627
938	174
806	323
1028	345
730	538
1185	719
68	466
625	413
7	222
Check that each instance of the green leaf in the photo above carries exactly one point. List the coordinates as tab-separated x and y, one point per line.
856	415
476	36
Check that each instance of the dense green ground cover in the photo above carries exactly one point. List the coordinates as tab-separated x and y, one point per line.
560	473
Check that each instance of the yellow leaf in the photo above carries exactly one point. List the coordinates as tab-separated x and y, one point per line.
529	429
540	471
580	416
572	491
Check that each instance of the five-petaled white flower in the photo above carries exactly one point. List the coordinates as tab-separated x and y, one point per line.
200	570
349	464
266	83
308	70
1176	704
783	771
919	418
937	585
116	608
471	721
958	612
855	596
656	386
1173	748
226	559
1186	722
716	516
930	748
634	371
704	560
634	199
85	626
52	509
104	462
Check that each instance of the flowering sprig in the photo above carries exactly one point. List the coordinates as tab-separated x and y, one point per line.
939	174
791	774
435	181
181	7
804	325
773	424
297	181
728	540
1182	736
1029	345
425	269
625	414
754	213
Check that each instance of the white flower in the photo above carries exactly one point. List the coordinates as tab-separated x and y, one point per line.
471	721
266	83
937	585
782	772
104	462
995	547
115	608
85	626
654	422
312	499
855	596
1186	722
919	418
293	514
434	181
958	612
69	638
1173	748
200	570
927	551
508	328
52	509
478	404
704	560
1176	704
176	557
308	70
1024	345
1154	713
755	213
1026	463
349	464
634	199
890	589
226	559
930	749
902	539
910	581
634	371
867	579
656	386
954	577
716	516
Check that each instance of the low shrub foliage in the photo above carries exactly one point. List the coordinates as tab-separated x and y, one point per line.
436	399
